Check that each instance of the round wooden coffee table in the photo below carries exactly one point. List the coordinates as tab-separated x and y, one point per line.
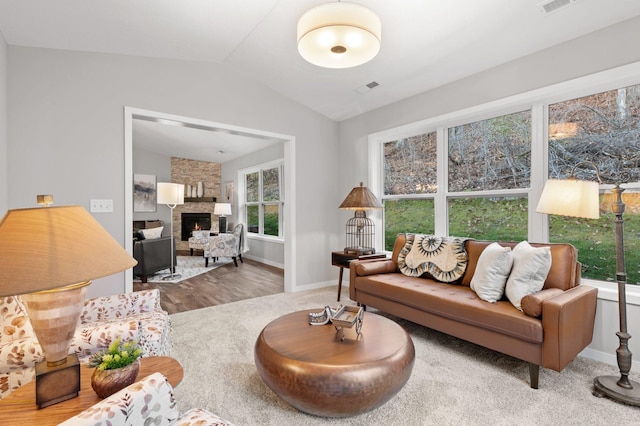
312	369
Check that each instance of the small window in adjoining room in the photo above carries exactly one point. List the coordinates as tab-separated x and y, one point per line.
604	129
264	203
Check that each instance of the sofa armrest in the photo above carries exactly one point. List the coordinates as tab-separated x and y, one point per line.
120	306
567	321
148	401
373	267
368	267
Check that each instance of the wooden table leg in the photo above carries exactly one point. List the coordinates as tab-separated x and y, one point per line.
340	282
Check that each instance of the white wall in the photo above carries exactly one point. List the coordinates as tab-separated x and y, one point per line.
263	250
602	50
4	187
65	121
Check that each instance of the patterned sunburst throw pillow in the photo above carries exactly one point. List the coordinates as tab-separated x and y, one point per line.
444	258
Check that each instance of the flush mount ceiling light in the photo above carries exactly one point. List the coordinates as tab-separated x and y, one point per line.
339	35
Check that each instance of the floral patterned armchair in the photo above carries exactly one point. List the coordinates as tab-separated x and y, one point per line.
226	245
133	316
148	401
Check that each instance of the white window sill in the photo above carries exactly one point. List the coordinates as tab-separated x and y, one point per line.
609	291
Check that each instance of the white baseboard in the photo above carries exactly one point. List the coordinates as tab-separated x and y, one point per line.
607	358
265	261
317	285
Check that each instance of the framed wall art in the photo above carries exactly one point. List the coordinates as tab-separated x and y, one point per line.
227	192
144	193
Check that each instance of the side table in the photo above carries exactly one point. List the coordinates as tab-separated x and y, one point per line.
19	407
343	260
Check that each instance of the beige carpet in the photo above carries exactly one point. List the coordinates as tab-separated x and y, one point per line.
453	382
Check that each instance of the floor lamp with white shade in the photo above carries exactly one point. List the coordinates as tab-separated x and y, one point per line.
171	194
579	198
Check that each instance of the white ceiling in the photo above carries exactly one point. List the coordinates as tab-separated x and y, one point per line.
425	43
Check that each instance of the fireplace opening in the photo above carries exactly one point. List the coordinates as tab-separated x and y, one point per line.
193	222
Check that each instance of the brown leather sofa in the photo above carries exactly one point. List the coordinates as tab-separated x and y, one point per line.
551	340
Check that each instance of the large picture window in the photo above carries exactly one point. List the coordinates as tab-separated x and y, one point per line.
481	178
603	129
264	201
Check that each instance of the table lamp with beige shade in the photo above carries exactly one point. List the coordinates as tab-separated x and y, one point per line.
579	198
49	255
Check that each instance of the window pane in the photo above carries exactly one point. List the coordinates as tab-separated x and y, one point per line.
271	215
491	154
270	185
253	190
407	216
604	129
496	218
410	165
253	213
595	241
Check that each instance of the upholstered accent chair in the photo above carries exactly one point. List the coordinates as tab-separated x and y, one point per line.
226	245
199	239
133	316
148	401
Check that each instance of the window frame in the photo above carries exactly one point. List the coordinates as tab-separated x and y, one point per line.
242	199
537	101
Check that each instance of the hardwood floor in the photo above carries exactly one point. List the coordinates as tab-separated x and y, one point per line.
222	285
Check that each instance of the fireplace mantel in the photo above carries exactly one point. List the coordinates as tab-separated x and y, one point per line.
200	200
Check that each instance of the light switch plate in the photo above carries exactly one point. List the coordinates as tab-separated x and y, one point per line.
101	206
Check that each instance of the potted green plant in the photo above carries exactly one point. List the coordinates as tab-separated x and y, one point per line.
115	367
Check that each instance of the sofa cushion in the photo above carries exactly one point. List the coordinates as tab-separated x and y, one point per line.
455	302
443	258
492	272
530	268
153	233
564	272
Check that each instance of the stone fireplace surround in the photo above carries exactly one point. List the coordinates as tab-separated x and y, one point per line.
190	172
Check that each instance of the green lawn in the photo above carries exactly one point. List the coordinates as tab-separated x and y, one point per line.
506	220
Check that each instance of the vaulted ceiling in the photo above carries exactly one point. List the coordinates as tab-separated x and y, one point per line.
425	43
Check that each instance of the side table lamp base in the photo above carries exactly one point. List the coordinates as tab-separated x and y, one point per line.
59	383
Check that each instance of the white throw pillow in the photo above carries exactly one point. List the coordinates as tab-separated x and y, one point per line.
491	273
152	233
530	269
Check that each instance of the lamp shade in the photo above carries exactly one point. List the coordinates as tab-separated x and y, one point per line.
222	209
50	247
170	193
570	197
339	35
360	198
